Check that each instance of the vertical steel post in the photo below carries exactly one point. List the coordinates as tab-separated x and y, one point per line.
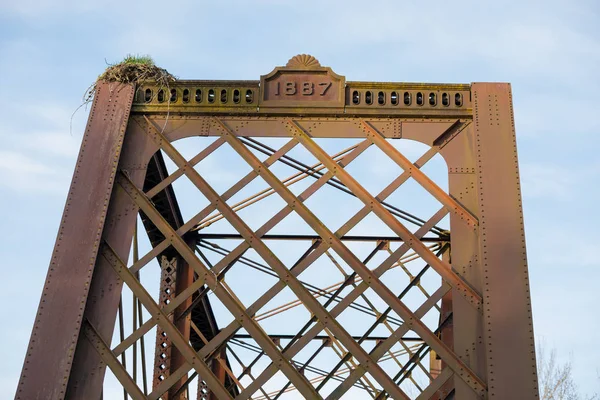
508	327
163	355
219	371
185	278
467	325
74	267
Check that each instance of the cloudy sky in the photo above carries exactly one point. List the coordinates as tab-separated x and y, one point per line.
50	52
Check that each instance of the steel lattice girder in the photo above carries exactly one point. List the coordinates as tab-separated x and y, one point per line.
484	351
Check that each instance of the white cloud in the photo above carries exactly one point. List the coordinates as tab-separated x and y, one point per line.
59	144
24	174
38	8
554	181
571	249
547	181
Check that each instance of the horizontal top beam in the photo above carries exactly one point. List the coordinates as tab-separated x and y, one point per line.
304	87
201	97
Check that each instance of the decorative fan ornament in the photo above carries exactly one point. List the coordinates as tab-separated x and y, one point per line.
303	61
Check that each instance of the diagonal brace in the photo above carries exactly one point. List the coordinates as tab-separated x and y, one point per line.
370	278
224	296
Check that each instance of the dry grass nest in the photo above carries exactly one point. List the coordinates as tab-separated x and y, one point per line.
133	69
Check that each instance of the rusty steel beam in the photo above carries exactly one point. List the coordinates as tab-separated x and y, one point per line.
452	205
113	363
509	336
55	338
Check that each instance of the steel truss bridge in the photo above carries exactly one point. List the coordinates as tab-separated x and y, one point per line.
312	250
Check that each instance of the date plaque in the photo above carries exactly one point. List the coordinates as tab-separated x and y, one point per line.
302	83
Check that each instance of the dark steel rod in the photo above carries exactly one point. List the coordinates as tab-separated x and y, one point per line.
142	348
309	368
122	337
313	289
312	247
312	357
338	184
247	369
416	358
327	303
380	319
239	360
349	238
325	337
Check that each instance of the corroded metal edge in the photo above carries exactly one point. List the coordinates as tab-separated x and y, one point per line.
55	333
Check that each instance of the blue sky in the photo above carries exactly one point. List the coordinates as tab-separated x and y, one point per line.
50	52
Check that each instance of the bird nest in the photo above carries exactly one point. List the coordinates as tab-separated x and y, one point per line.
132	70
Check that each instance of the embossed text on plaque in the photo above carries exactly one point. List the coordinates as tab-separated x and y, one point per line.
303	82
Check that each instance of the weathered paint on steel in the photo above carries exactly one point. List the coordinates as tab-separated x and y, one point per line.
508	326
47	367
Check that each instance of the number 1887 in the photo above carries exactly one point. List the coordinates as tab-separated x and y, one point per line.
290	88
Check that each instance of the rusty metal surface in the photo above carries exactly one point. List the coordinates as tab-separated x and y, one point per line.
52	347
481	345
104	294
508	331
164	347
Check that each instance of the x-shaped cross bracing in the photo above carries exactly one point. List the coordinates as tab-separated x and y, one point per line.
329	239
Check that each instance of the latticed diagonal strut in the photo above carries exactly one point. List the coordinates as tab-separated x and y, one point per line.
278	267
195	285
313	319
381	318
440	266
305	337
317	292
158	249
350	279
387	344
206	275
305	261
266	270
178	340
443	269
315	171
269	191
